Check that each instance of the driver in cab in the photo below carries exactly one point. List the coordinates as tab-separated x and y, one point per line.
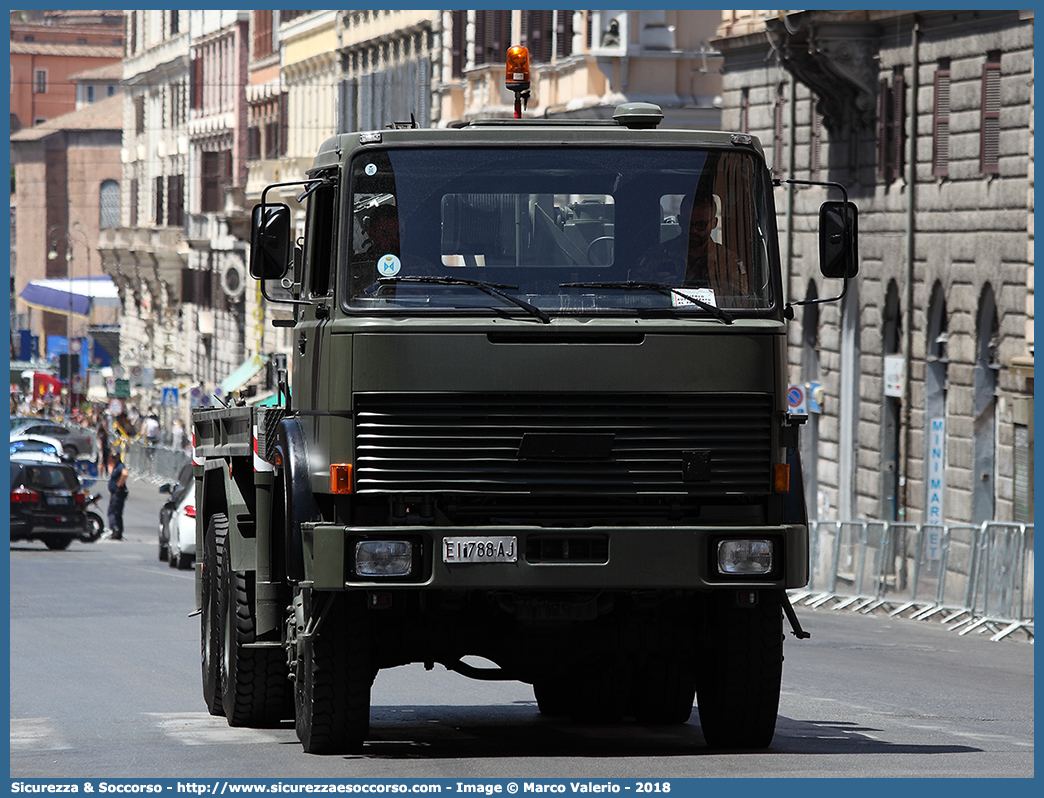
694	259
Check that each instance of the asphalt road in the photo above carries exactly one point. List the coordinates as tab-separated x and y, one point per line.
105	682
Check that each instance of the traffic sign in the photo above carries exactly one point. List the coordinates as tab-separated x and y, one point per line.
797	400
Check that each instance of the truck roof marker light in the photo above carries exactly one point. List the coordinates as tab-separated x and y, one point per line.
516	77
781	478
340	478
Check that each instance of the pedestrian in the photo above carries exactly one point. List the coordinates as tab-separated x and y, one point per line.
103	447
177	436
117	494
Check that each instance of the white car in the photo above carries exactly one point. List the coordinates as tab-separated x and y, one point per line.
181	547
25	444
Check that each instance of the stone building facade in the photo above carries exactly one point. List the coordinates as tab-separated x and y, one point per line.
926	365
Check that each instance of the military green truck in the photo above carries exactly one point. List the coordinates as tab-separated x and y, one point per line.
536	428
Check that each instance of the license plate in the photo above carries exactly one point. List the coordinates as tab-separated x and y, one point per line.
63	500
503	549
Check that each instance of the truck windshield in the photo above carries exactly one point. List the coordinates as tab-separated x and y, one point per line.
563	230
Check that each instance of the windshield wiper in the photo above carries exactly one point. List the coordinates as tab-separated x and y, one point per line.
662	288
493	289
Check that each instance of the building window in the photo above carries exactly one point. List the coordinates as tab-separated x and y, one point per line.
110	90
563	33
175	23
139	114
891	111
537	32
989	150
39	81
217	169
815	154
941	121
109	204
175	200
492	36
90	93
262	34
158	200
134	202
777	130
744	122
458	46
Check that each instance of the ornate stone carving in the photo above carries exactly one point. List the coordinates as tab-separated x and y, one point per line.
836	60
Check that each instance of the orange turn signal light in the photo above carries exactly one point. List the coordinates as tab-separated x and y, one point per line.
781	478
517	74
340	478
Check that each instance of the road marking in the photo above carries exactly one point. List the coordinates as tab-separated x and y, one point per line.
202	728
35	734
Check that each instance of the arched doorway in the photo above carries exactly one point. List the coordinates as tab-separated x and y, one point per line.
891	406
810	374
984	414
848	400
935	409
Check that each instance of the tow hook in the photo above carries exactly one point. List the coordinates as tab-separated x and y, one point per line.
795	625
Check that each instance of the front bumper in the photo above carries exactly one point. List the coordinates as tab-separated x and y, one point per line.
637	558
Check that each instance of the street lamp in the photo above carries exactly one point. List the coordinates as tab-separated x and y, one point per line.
70	236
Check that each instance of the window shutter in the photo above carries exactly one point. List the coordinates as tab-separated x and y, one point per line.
564	34
883	107
458	43
816	144
777	133
989	153
898	122
158	198
941	115
134	202
197	83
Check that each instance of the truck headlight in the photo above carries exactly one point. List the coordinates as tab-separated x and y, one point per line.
745	557
383	557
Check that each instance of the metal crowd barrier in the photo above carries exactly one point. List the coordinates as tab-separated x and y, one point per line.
155	464
971	578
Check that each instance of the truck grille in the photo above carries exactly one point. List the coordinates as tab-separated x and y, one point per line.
612	443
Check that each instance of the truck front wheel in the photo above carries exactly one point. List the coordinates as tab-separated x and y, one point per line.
334	673
739	671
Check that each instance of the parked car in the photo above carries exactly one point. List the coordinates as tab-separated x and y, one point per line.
47	503
76	440
182	543
177	491
39	444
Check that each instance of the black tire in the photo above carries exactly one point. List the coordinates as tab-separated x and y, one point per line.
740	670
552	696
664	687
95	529
334	676
58	542
665	691
211	632
254	682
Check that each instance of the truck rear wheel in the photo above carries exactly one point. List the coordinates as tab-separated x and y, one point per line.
739	671
211	635
254	681
334	676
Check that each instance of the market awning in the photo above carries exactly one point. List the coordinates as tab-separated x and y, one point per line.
243	374
78	295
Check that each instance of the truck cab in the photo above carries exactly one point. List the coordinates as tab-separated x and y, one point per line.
537	415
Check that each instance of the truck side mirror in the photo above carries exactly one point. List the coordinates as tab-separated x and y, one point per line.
838	240
270	242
